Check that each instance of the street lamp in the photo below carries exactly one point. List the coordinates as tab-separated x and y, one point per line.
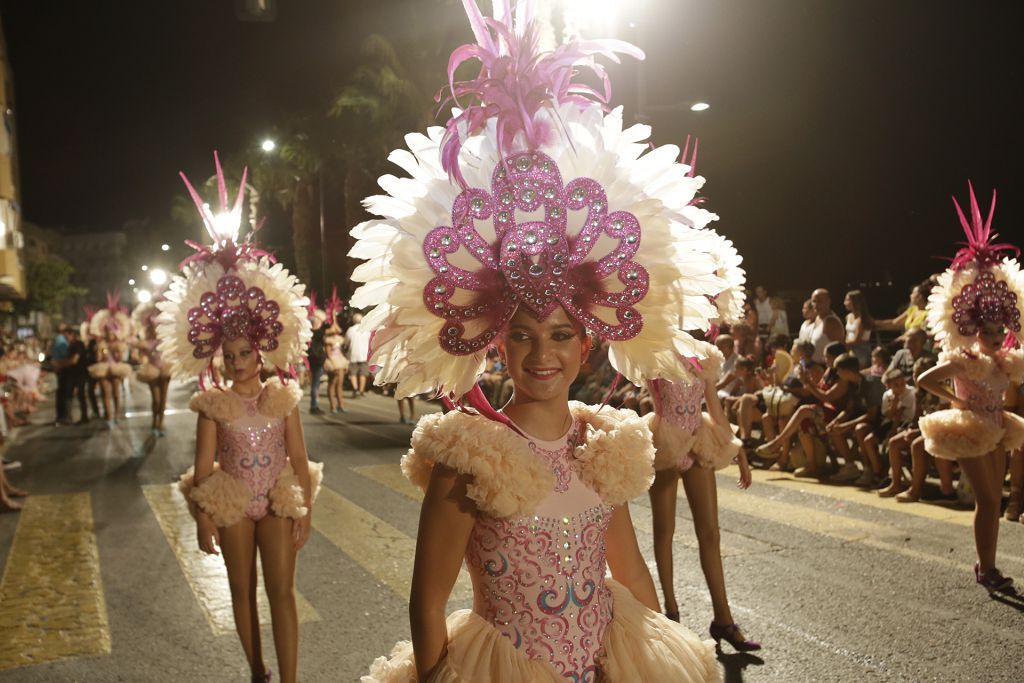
144	268
158	276
268	145
700	106
165	247
131	281
144	296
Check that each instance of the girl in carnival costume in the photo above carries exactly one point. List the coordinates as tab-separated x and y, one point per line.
153	371
690	444
336	365
531	220
111	328
975	312
252	486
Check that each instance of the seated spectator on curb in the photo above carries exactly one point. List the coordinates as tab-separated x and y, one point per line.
831	395
828	328
859	326
914	316
880	359
899	412
746	341
807	326
748	381
913	348
727	346
860	417
754	408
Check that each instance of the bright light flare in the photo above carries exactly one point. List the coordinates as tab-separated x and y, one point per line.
700	106
165	247
144	296
144	267
131	281
158	276
268	145
225	224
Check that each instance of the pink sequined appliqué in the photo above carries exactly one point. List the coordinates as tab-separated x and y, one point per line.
252	448
984	397
679	404
540	579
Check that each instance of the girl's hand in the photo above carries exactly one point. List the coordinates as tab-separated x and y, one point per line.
300	530
745	476
209	535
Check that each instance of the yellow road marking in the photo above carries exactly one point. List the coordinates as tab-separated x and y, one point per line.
206	574
51	594
937	513
378	547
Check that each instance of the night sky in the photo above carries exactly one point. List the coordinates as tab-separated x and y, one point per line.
837	131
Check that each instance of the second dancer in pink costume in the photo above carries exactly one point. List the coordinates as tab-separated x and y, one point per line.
153	371
975	312
252	487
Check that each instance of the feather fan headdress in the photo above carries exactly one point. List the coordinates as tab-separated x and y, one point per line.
231	289
983	285
532	195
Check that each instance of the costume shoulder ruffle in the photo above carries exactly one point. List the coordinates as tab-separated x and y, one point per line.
278	399
509	480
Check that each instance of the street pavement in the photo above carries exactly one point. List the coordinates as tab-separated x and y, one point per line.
102	580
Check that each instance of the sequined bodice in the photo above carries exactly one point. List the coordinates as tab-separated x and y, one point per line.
678	404
540	579
252	448
984	397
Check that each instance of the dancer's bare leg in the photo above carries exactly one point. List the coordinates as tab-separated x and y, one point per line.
663	512
702	495
238	545
277	553
986	476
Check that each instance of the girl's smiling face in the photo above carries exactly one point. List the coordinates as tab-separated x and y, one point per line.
241	360
543	356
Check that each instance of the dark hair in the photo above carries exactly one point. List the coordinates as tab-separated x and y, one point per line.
860	309
835	349
779	341
883	352
806	348
892	374
745	362
847	361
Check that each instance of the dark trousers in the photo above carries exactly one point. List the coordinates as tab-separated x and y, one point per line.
316	371
63	395
79	385
90	391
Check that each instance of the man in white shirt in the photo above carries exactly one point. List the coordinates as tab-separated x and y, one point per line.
807	326
763	306
358	342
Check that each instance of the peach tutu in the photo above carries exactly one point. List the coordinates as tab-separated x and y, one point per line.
639	645
955	434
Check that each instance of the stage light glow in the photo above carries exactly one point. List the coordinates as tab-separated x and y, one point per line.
158	276
700	106
144	296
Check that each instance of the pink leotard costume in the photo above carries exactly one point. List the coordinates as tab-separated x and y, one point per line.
252	476
153	368
681	432
543	609
983	426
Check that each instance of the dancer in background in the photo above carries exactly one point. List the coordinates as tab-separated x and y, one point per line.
112	328
252	487
336	365
975	312
153	371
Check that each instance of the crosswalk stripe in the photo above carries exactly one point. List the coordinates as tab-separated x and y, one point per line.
51	595
206	574
379	548
851	494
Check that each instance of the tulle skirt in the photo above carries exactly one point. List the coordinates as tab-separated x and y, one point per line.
712	446
639	645
955	434
109	370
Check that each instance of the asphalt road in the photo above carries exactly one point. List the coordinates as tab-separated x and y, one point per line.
102	581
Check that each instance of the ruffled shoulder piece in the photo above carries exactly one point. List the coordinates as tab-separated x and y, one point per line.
617	455
1012	363
279	398
509	481
217	404
976	364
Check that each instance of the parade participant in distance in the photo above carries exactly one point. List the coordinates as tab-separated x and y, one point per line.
252	486
524	226
112	328
153	371
692	445
336	365
975	312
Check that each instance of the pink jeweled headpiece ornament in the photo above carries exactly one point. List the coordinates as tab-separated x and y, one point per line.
534	263
987	299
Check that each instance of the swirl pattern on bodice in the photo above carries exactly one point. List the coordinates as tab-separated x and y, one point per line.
252	448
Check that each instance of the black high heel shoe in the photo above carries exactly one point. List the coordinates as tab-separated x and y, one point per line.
265	678
732	634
